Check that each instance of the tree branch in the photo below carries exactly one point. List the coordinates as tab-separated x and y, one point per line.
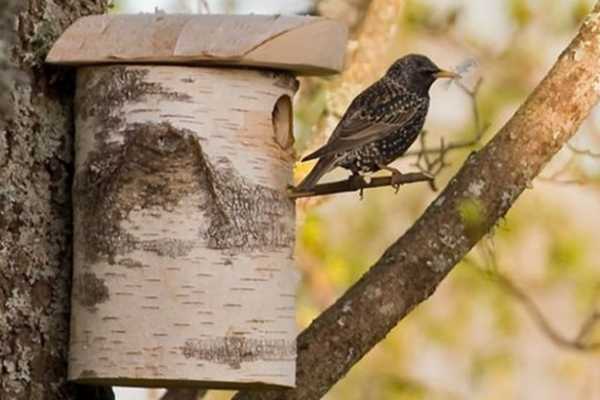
583	152
356	182
578	343
480	128
490	181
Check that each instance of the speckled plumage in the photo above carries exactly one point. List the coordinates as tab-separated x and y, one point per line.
381	122
369	156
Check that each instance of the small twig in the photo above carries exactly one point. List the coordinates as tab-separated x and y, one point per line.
588	326
576	182
479	127
434	166
356	183
578	343
556	177
583	152
565	168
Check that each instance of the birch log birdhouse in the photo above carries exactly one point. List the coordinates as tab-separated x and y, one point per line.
183	230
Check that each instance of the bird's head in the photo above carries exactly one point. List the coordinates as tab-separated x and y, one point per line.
417	72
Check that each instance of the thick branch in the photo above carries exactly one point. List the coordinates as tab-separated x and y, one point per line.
353	184
489	182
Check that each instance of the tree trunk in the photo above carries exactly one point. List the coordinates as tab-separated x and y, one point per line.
35	208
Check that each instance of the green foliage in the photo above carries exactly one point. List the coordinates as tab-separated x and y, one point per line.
309	108
436	329
566	256
117	6
491	362
478	288
312	236
521	12
404	389
503	307
417	14
580	9
507	89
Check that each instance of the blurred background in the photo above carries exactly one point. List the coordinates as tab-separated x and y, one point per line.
515	319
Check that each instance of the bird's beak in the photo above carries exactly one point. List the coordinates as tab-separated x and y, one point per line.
446	74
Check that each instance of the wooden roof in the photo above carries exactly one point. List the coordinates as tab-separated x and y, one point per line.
304	45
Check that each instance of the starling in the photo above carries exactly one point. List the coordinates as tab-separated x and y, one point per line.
381	122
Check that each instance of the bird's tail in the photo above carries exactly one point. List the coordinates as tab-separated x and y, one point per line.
323	166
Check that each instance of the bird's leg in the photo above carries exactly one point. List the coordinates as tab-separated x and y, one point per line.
396	175
357	181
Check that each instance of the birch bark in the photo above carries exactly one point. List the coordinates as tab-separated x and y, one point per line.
184	234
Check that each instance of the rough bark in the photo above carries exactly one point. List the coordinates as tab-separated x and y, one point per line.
7	73
479	195
35	208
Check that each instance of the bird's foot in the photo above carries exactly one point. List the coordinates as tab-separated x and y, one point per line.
357	181
397	179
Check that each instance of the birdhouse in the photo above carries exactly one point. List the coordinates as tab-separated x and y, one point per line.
183	230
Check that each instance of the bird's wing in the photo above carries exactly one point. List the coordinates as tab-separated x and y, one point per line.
373	115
